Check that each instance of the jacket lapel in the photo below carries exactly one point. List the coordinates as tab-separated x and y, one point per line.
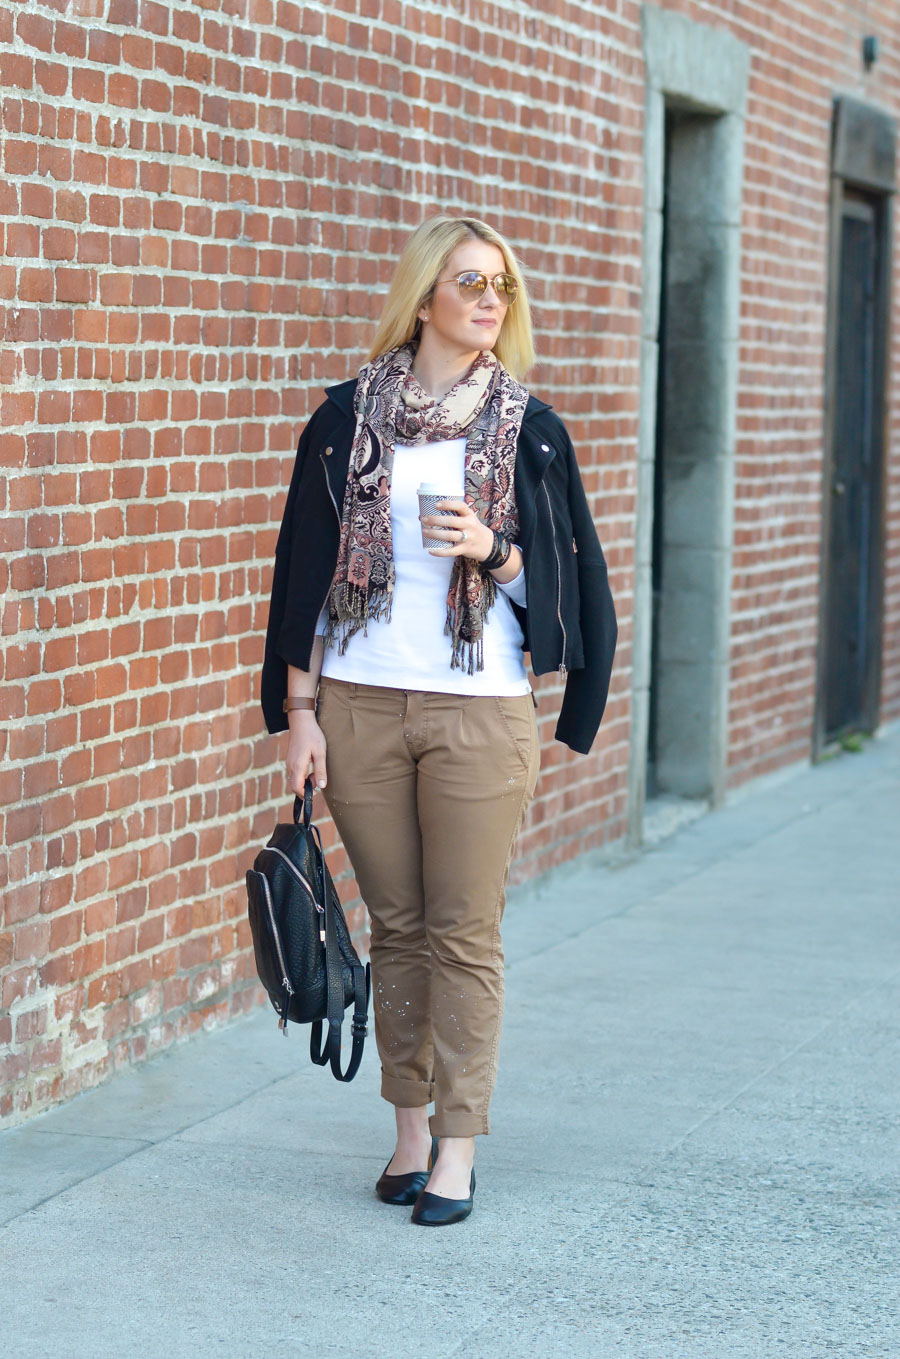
341	393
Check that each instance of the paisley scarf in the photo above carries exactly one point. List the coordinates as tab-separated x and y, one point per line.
487	406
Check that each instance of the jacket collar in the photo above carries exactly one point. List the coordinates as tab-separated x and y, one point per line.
342	396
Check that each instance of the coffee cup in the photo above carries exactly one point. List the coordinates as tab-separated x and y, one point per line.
429	495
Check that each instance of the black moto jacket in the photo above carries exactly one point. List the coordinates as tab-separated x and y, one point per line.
569	620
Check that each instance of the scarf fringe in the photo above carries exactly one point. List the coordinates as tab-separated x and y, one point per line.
355	608
465	655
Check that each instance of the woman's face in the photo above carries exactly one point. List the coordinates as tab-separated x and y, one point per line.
466	326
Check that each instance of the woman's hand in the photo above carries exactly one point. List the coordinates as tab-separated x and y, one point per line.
306	746
465	534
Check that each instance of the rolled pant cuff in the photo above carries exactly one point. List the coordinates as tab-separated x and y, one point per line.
405	1093
458	1125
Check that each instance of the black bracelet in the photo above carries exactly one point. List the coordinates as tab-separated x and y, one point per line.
490	560
499	554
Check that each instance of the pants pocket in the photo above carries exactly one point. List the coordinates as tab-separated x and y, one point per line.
516	717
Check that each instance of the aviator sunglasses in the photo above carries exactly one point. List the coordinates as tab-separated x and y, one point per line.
471	285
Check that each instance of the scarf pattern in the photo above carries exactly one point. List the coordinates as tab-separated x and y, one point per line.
487	406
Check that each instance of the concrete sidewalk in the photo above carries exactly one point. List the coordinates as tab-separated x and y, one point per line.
694	1150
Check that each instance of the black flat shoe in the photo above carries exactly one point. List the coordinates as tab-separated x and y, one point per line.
433	1210
405	1189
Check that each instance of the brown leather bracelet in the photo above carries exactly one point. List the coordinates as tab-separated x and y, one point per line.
290	704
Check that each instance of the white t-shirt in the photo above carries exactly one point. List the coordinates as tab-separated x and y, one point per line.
411	651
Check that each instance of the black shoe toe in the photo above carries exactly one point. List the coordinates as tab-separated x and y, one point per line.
433	1210
405	1189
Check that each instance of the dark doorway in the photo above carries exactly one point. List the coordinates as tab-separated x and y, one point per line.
851	623
863	181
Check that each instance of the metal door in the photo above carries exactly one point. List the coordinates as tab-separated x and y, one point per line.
848	620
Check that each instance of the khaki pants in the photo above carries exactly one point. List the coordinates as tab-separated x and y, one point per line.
428	792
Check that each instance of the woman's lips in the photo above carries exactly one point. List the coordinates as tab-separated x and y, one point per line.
488	321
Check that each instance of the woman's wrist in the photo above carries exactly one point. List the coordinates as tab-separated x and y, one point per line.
302	688
498	553
299	718
510	568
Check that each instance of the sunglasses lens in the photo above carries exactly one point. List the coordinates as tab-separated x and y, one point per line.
471	285
506	286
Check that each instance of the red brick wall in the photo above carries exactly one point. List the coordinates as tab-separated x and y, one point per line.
198	212
798	64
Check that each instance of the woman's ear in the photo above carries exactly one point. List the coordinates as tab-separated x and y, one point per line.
423	314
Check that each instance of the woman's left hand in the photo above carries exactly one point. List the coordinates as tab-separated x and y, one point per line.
465	534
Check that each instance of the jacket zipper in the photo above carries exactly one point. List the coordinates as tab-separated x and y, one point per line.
338	513
562	668
297	874
330	492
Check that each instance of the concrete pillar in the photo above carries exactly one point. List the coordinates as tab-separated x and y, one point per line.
700	73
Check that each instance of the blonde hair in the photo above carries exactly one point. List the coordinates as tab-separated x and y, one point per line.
421	261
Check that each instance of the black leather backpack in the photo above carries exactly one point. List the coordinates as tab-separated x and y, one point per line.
304	955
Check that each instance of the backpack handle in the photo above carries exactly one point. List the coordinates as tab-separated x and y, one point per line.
304	807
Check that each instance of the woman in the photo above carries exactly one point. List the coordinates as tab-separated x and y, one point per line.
424	738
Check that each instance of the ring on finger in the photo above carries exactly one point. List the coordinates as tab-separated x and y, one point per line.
463	535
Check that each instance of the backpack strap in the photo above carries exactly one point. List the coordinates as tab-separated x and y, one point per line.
321	1052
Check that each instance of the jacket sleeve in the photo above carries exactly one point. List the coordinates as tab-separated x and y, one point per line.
273	684
587	689
514	589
